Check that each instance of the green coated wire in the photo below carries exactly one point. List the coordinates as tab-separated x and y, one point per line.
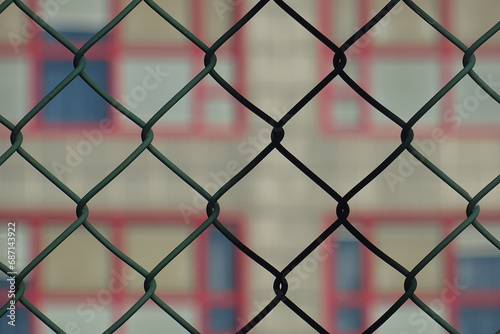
213	209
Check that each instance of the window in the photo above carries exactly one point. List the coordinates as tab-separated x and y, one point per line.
478	267
148	85
141	66
86	104
23	244
346	285
82	286
221	262
394	239
404	86
22	320
222	319
346	113
74	275
403	62
348	264
460	284
349	319
148	244
479	320
471	266
478	260
474	105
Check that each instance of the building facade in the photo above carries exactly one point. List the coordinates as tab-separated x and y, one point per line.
276	209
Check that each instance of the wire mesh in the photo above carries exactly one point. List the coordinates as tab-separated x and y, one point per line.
213	209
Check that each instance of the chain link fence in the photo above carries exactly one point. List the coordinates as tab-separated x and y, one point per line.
279	126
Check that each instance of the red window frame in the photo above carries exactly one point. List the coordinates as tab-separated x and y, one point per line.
367	297
442	51
204	299
111	50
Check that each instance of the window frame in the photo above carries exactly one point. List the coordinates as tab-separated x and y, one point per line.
201	297
37	50
440	51
367	298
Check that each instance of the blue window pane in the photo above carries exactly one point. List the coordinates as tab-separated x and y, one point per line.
222	319
348	269
479	272
221	262
21	322
73	36
5	285
479	320
77	102
349	319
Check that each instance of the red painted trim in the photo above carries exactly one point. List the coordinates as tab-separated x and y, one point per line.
201	277
116	54
242	275
117	237
34	295
325	66
450	268
240	49
367	283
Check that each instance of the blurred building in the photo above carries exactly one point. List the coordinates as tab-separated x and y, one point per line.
275	210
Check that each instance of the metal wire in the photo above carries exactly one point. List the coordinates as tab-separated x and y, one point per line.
280	285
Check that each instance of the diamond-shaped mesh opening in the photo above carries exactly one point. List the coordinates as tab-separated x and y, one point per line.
158	31
401	25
